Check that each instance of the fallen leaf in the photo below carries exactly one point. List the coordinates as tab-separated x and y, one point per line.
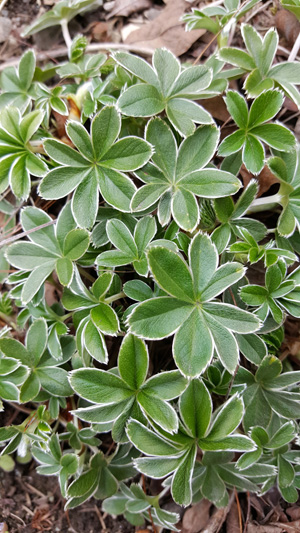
99	32
166	30
294	512
216	107
5	28
265	179
125	8
253	528
3	527
232	522
287	25
196	517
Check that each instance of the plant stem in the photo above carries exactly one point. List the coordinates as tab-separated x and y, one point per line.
114	297
262	204
66	33
8	321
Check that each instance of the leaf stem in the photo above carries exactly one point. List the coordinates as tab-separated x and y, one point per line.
262	204
8	321
66	33
115	297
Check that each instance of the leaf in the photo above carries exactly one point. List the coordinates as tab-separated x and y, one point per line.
197	150
193	345
95	343
195	408
159	411
99	386
237	57
162	262
105	319
30	388
159	317
210	183
265	107
192	81
224	277
141	100
276	136
161	137
185	210
147	441
166	385
203	258
182	479
237	108
227	420
75	244
183	114
120	236
64	269
36	339
127	154
27	255
253	154
167	68
55	381
239	320
31	217
133	361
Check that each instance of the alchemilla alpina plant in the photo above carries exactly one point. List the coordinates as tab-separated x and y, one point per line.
162	346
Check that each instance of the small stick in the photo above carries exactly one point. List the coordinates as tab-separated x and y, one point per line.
95	47
239	510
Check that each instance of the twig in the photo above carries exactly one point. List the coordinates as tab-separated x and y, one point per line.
25	233
295	49
218	518
95	47
2	4
239	510
66	33
248	513
257	10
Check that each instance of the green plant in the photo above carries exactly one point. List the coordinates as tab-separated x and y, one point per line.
137	222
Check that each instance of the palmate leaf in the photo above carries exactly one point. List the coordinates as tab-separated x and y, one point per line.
118	398
175	455
97	165
18	162
17	83
176	176
257	62
165	87
50	249
63	10
253	128
200	325
130	248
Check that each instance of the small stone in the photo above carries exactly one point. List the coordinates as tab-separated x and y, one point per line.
5	28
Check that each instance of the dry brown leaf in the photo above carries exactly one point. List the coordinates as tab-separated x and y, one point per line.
100	32
287	25
253	528
232	522
3	527
125	8
196	518
216	107
294	512
265	179
166	30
